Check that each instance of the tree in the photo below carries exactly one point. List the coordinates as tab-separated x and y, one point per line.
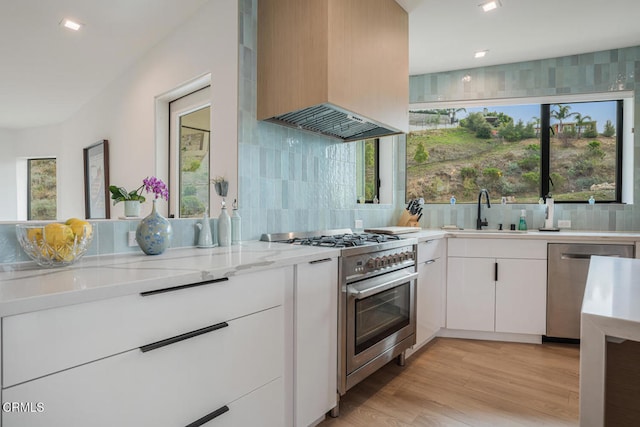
421	155
609	129
581	121
536	122
562	113
452	113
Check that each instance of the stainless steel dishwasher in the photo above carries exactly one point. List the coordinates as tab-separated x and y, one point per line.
567	268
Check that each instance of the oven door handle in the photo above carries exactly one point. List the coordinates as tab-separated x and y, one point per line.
358	293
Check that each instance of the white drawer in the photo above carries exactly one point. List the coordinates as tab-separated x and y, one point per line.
170	386
497	248
430	249
47	341
263	407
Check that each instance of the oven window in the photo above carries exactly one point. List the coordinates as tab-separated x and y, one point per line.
381	315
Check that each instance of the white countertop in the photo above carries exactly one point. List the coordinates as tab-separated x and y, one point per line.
551	236
610	308
26	287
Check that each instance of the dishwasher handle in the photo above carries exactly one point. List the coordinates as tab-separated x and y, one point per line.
586	256
575	256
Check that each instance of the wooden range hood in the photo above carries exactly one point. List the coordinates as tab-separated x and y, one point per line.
335	67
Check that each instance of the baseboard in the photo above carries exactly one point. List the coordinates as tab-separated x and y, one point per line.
490	336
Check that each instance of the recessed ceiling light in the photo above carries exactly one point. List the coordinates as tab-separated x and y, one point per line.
490	5
480	53
72	25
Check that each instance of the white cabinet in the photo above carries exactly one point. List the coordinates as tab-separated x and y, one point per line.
430	295
315	340
496	285
232	367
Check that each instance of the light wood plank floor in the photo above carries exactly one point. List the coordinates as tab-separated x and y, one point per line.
455	382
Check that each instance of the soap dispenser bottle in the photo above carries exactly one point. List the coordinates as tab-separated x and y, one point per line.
236	224
522	225
224	226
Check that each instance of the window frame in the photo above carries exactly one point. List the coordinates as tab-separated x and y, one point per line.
29	196
545	150
376	144
619	97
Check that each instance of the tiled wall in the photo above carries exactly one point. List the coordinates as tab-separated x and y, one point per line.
607	71
290	180
110	236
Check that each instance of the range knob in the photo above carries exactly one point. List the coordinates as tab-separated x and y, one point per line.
371	263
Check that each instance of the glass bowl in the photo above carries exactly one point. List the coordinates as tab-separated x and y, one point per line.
55	244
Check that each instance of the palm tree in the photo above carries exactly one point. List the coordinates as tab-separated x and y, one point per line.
561	114
581	122
452	113
536	122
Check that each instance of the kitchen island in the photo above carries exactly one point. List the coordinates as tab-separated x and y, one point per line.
610	315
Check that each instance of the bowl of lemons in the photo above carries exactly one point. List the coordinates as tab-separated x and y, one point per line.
55	244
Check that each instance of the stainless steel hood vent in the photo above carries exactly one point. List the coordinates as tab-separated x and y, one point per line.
334	122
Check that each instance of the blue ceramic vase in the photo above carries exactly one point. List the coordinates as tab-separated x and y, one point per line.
154	233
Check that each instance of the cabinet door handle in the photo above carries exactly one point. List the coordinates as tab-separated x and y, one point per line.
495	273
156	345
209	417
318	261
178	288
431	261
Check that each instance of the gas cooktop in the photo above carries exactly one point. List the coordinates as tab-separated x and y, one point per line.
341	238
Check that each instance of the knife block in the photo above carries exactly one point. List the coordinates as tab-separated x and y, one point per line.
408	220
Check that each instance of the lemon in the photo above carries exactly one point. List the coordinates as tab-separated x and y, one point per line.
80	227
35	235
58	235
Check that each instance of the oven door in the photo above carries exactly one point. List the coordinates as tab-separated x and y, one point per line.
380	314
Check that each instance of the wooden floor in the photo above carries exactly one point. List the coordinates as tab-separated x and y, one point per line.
455	382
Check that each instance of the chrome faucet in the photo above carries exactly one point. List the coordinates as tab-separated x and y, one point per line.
479	221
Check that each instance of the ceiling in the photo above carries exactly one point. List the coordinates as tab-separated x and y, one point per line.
48	73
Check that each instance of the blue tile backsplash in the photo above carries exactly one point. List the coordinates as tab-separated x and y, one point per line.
291	180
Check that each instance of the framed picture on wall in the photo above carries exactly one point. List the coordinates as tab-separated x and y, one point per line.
96	180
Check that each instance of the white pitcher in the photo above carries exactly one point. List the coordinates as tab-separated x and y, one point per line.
204	238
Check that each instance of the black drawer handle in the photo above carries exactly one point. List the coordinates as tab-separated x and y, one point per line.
178	288
182	337
209	417
495	273
318	261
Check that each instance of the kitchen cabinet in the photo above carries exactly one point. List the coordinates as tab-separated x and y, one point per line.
166	360
430	295
496	285
316	340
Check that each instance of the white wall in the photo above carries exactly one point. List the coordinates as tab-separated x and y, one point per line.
124	113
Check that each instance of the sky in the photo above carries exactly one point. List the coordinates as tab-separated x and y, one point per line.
600	111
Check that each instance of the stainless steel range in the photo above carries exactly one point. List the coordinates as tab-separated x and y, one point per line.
376	300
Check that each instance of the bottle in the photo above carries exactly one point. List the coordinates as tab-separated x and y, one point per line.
453	200
523	220
592	201
235	224
224	226
204	238
375	200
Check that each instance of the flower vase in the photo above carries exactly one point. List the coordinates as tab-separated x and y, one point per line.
154	233
131	208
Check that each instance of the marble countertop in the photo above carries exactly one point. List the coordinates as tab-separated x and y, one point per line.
553	236
610	308
26	287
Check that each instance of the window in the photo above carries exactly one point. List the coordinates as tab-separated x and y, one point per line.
41	189
189	160
367	167
521	152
